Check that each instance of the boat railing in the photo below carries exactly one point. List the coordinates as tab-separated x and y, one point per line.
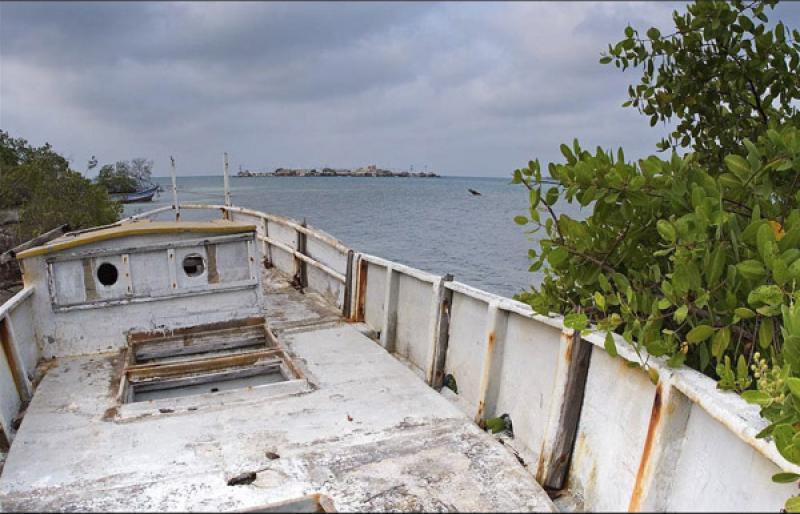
600	425
18	360
582	419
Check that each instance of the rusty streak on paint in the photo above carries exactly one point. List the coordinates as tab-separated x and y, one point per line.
568	352
655	419
362	290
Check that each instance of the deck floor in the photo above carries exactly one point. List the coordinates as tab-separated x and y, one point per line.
369	434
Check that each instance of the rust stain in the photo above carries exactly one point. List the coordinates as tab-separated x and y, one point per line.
644	463
540	464
568	353
492	340
362	291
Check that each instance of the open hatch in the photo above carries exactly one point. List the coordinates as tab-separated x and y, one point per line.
203	359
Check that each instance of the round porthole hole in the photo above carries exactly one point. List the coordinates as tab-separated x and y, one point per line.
107	274
193	265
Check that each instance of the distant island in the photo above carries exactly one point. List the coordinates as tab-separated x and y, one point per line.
368	171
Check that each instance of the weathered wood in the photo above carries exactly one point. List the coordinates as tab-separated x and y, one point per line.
363	268
143	371
300	264
36	241
579	354
155	384
190	346
442	334
136	337
348	286
14	361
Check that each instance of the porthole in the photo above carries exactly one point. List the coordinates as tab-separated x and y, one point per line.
107	274
193	265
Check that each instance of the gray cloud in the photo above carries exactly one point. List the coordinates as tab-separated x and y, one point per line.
466	88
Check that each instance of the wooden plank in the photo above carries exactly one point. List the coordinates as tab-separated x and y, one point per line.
363	268
442	334
136	337
300	264
225	374
348	287
142	371
23	385
180	347
579	356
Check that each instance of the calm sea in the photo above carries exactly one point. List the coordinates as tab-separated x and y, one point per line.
433	224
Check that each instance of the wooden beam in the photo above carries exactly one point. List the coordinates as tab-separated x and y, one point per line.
441	334
348	286
301	249
578	354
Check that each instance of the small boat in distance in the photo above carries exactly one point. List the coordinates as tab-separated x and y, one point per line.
474	192
145	195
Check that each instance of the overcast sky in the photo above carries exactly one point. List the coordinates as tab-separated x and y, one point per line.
463	88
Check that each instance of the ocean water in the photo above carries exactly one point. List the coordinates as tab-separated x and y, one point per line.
433	224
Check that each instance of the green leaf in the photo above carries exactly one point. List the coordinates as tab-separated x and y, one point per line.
768	294
738	166
576	320
610	345
653	33
605	60
794	386
765	333
756	397
495	424
680	313
520	220
699	333
666	230
720	342
552	196
751	269
744	312
718	258
785	478
792	504
653	374
765	240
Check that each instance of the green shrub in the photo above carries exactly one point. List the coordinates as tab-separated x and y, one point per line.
39	183
695	257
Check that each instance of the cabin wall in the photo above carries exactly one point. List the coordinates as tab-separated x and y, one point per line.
76	314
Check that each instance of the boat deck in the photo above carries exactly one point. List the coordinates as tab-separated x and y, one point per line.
368	435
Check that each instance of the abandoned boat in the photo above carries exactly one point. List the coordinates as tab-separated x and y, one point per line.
145	195
252	363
